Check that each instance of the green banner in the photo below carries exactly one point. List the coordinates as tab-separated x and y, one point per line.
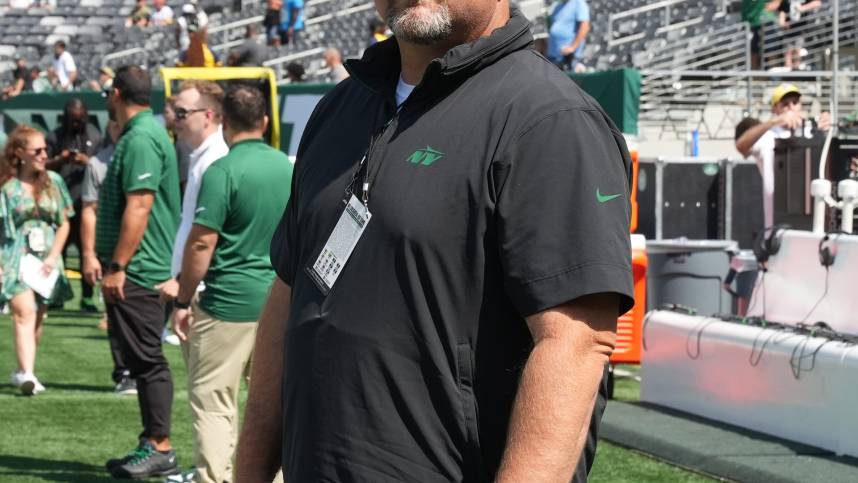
619	94
617	91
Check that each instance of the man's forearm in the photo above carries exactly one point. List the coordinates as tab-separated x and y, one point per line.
552	411
583	30
750	137
87	229
259	448
196	260
134	221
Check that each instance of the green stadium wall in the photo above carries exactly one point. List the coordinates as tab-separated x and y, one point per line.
617	91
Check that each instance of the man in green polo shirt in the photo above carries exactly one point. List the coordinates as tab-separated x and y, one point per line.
241	199
138	214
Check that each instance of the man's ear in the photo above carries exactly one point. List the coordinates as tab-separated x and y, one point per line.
264	123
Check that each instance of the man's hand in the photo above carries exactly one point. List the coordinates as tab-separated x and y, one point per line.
112	287
80	158
91	269
168	290
790	119
182	323
568	50
824	121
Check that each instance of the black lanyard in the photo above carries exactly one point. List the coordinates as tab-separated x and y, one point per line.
364	165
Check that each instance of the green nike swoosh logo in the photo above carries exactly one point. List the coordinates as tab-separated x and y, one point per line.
605	198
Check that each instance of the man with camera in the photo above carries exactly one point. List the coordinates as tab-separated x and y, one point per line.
70	147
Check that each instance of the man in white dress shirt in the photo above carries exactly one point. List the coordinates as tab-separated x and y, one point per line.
199	112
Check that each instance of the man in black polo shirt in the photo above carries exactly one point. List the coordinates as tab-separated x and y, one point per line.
450	266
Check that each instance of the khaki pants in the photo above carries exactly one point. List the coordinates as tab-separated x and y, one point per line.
217	354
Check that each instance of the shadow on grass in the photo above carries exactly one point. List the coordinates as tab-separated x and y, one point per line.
51	321
102	336
79	387
50	470
10	390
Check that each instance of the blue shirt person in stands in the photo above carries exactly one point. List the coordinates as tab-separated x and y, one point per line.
292	21
569	25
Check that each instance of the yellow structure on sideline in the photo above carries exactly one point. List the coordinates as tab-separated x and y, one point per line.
170	74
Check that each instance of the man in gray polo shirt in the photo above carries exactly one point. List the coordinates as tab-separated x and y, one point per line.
93	176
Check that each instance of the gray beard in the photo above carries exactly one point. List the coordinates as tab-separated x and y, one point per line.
420	30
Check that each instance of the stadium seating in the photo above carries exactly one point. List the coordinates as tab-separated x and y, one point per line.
660	38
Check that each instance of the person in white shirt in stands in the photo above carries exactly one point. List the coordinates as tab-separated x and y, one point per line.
191	19
198	111
757	139
64	67
163	14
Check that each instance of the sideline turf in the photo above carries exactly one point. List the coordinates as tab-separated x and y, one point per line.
67	433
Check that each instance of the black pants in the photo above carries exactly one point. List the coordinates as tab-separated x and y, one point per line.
120	369
74	239
137	323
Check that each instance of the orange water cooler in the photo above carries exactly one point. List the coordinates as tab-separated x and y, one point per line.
630	325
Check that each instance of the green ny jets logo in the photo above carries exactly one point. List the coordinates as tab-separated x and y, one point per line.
425	156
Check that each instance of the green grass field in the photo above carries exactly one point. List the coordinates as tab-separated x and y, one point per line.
66	433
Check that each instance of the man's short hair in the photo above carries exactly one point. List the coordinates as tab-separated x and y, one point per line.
134	85
60	43
744	125
244	108
211	94
296	69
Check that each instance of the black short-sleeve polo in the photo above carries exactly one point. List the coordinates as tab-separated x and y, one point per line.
498	190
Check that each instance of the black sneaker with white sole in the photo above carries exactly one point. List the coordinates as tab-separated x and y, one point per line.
117	462
126	386
148	462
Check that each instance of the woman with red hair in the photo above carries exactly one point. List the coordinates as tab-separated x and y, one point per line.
34	210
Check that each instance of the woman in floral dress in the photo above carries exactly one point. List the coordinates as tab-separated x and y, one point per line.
34	210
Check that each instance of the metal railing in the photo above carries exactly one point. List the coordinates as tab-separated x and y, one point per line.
227	30
667	17
122	53
714	102
278	64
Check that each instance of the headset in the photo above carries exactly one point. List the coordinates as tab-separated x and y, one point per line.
827	251
768	242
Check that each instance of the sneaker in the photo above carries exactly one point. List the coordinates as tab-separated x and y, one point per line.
29	385
146	463
170	338
185	477
117	462
88	305
126	386
17	378
39	387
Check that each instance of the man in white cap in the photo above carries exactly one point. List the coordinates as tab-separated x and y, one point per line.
757	139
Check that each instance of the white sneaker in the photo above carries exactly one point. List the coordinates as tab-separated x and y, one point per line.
39	387
18	378
29	385
170	338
